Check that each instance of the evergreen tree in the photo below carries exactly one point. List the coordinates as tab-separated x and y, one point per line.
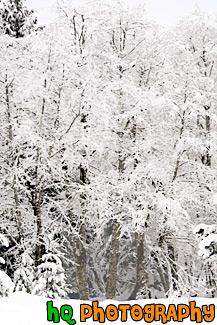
50	278
24	275
17	19
6	285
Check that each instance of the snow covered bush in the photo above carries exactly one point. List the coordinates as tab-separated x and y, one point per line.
207	237
50	280
6	285
24	275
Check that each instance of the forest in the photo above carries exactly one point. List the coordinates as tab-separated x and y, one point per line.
108	152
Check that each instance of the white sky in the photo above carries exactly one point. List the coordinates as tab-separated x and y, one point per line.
165	12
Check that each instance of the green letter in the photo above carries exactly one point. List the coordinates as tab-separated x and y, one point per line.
52	313
67	316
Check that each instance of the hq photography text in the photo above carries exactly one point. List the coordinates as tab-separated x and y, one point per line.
126	312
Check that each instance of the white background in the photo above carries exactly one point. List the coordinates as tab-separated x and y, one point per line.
165	12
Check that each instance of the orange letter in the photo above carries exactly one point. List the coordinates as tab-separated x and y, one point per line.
210	312
149	313
160	311
84	315
111	313
172	313
182	315
123	309
98	312
196	313
136	312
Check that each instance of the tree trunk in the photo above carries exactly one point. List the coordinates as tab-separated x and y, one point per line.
141	275
206	158
113	263
80	249
10	136
81	261
39	249
173	266
140	290
169	268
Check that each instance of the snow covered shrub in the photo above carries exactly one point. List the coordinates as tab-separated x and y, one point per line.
6	285
50	277
207	237
50	280
24	275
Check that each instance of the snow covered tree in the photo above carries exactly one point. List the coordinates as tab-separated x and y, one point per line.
107	147
17	20
6	284
3	243
24	274
50	278
207	237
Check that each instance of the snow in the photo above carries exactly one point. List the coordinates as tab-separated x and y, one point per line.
208	236
205	244
2	261
203	230
6	281
3	241
24	309
215	199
